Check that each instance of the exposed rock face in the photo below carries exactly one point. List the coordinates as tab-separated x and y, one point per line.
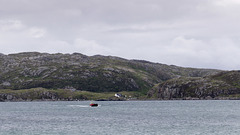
223	84
80	72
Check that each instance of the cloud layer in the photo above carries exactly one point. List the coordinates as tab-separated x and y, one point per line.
189	33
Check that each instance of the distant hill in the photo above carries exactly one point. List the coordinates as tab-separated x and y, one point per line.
80	72
224	85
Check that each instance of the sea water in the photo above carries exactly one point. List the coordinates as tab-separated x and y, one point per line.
206	117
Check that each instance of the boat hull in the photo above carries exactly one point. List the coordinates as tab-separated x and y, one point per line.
93	105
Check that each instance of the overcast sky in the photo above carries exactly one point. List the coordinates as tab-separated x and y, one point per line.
188	33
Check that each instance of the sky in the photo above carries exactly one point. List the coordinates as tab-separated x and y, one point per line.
187	33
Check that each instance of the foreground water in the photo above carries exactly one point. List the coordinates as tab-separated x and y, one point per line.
128	117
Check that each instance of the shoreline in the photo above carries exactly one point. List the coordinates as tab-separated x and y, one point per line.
194	99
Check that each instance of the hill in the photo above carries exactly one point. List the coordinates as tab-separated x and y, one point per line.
81	72
34	74
224	85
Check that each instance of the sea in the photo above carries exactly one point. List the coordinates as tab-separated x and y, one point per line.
176	117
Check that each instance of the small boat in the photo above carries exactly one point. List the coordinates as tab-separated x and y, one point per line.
93	105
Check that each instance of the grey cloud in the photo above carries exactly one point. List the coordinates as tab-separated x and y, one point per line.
189	33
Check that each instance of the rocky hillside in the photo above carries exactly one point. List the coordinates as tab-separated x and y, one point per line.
224	85
80	72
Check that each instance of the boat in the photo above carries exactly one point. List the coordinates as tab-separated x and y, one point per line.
93	104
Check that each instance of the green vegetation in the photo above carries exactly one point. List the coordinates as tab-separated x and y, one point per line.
62	94
224	84
38	76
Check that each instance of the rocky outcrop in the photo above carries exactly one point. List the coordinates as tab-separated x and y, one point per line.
225	84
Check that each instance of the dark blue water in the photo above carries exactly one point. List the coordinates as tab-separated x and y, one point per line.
123	118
